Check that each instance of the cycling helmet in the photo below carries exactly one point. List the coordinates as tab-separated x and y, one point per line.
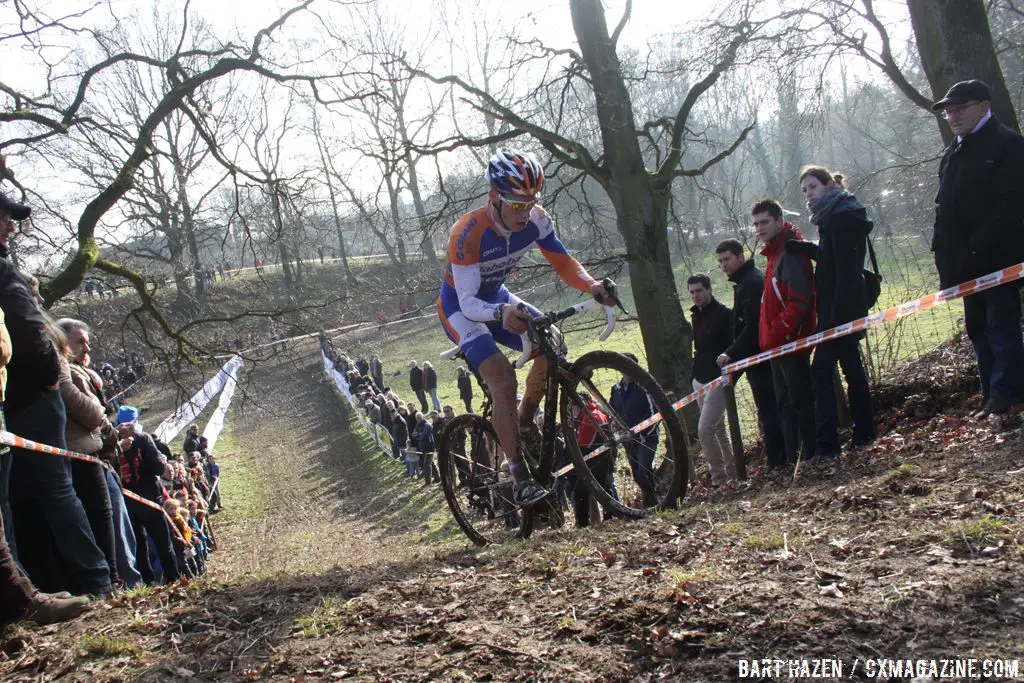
516	174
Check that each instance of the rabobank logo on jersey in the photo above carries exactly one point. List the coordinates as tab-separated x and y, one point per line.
460	243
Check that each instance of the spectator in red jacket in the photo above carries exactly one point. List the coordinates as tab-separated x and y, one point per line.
787	314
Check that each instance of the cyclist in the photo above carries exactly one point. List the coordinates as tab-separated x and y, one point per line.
478	312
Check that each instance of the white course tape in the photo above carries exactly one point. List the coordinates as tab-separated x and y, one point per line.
216	423
188	411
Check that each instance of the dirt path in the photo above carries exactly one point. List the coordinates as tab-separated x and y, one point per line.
309	498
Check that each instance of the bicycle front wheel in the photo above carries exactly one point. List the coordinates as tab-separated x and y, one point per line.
477	484
630	471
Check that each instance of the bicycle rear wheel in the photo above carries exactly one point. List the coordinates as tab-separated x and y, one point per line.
639	470
477	484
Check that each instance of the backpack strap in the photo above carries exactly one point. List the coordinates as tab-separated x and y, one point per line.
874	261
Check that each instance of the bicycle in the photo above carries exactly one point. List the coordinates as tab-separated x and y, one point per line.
475	478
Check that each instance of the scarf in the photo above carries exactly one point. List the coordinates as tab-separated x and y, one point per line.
833	201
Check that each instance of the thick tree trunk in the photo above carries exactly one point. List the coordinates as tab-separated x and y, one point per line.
349	277
668	337
286	266
396	218
955	44
641	208
187	224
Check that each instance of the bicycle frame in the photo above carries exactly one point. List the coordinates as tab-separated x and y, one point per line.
541	337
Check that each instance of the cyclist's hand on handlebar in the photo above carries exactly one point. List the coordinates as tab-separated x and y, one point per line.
514	319
603	296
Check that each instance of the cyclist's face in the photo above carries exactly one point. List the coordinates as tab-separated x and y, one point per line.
514	216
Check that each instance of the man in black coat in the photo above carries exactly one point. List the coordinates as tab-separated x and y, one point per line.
979	228
712	334
746	316
34	410
430	384
465	383
191	439
377	372
416	383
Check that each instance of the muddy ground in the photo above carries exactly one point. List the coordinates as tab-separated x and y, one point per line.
332	566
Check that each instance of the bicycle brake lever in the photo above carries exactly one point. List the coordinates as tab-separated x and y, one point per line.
612	289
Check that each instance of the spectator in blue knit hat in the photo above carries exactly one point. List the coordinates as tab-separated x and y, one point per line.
141	467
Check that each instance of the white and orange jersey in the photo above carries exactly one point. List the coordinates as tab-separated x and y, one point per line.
482	254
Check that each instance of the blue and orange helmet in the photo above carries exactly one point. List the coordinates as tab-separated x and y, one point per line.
515	174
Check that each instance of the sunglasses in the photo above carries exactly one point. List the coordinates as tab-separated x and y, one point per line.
517	204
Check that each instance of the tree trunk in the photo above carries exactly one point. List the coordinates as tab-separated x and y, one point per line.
188	226
298	264
426	244
641	208
334	198
955	44
668	337
396	217
286	267
769	174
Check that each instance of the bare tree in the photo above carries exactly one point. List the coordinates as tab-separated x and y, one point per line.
955	44
641	196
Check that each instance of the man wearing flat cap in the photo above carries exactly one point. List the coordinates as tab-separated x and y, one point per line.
979	228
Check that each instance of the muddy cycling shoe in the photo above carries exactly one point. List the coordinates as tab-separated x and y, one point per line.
529	493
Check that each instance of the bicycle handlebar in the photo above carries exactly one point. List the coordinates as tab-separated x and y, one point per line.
552	318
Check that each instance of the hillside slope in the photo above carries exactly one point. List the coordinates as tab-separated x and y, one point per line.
334	568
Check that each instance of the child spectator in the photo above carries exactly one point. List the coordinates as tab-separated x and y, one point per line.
590	436
182	540
412	462
465	383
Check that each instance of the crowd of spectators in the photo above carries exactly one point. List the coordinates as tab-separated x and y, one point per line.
69	530
791	299
413	432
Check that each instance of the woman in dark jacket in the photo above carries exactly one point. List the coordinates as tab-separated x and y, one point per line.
843	228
